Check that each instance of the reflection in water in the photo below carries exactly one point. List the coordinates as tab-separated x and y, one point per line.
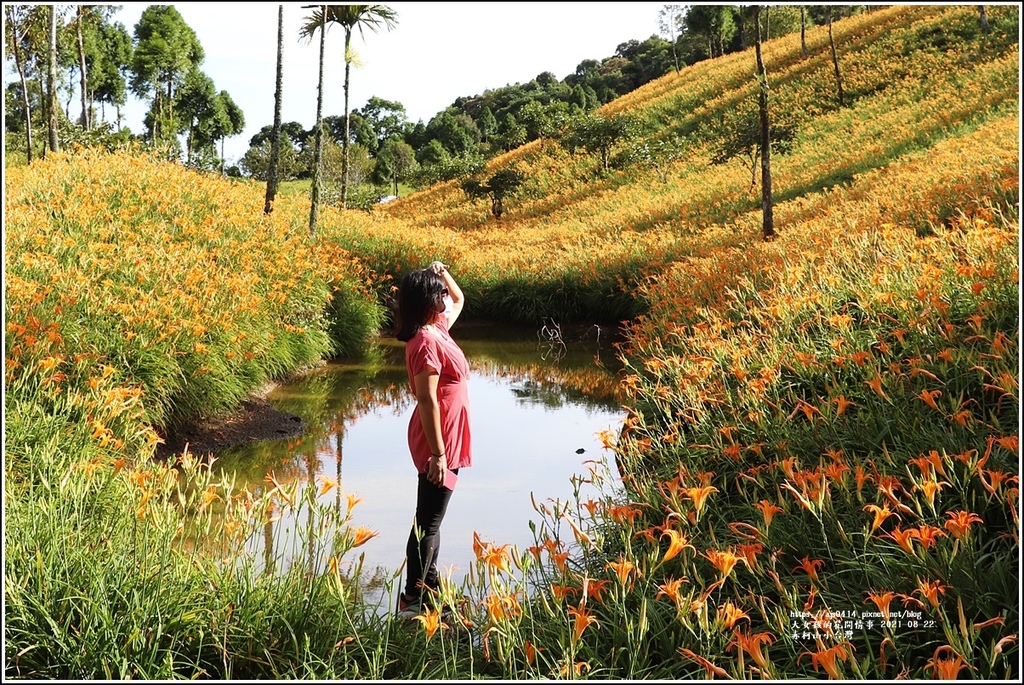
534	420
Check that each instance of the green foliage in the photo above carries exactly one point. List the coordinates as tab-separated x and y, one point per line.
501	185
598	134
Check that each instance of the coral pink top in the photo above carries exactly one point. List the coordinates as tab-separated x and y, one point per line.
435	348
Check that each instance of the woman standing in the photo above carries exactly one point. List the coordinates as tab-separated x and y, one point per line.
429	302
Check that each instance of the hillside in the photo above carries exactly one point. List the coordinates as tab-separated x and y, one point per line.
912	75
818	472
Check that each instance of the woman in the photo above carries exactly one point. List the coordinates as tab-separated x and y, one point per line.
429	302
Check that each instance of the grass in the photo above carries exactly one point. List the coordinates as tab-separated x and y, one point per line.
819	427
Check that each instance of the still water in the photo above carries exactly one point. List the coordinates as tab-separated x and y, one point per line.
538	399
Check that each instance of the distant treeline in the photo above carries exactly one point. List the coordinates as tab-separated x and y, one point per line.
161	63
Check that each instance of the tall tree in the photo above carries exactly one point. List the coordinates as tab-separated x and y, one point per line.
166	50
230	121
767	218
275	149
670	19
15	34
983	17
320	17
196	102
82	11
396	161
803	30
835	56
350	17
51	83
109	62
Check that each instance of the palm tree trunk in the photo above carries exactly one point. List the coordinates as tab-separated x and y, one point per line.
344	142
835	56
318	135
86	124
51	82
768	221
275	140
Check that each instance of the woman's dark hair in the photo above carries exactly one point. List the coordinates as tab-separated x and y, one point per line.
419	297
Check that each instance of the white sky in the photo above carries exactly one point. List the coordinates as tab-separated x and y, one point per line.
437	52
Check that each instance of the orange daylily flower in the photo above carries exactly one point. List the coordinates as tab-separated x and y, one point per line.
431	620
810	566
329	484
531	652
677	543
353	500
751	644
624	513
581	537
931	591
876	385
559	558
842	404
829	658
749	552
928	535
670	588
904	538
949	668
881	514
930	487
861	475
729	614
595	588
581	620
623	568
724	561
959	523
699	495
929	398
882	601
362	535
768	510
560	592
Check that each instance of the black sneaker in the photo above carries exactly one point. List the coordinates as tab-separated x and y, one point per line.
409	606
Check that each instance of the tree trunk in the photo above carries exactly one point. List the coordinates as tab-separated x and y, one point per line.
344	143
768	221
835	56
740	25
24	83
985	28
275	139
51	82
86	123
803	30
318	135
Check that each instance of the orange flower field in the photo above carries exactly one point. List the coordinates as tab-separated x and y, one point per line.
820	457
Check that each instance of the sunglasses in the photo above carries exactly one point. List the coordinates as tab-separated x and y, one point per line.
444	291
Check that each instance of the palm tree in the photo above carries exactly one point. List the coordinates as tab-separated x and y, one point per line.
275	142
318	148
51	82
349	17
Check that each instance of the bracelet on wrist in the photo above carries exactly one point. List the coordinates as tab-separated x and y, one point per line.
437	456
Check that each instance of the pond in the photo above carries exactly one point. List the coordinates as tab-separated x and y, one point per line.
538	399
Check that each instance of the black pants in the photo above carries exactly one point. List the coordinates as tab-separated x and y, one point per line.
425	536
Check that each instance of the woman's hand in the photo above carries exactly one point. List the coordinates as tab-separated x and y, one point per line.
438	267
436	468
